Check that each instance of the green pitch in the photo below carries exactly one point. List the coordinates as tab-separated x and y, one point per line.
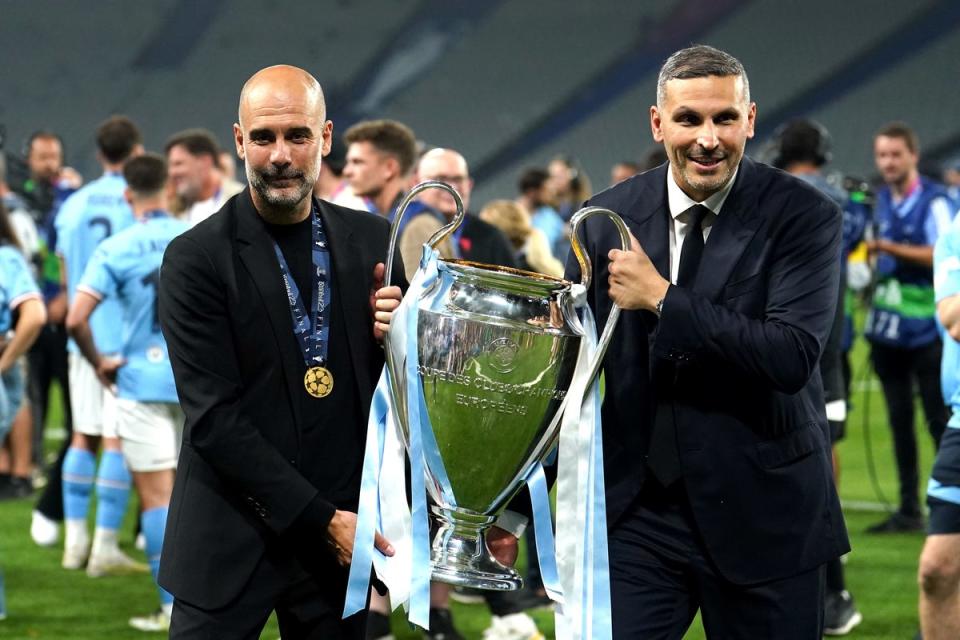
45	601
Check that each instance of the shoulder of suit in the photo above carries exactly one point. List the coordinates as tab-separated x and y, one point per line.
802	194
474	226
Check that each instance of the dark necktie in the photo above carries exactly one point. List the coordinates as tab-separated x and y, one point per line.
692	248
664	456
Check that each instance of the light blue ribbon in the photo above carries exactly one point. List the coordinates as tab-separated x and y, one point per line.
585	614
431	450
369	516
418	422
543	532
598	597
368	513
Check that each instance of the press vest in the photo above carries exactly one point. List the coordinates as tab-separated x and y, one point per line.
904	312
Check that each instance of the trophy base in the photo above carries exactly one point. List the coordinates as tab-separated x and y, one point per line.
460	556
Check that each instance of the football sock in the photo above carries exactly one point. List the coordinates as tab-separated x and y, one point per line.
153	522
113	490
79	466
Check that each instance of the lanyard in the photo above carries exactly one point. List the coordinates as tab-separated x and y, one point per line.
313	331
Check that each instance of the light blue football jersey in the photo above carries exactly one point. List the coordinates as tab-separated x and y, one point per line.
92	214
946	283
16	284
126	268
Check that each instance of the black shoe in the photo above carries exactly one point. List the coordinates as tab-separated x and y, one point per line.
441	625
15	488
898	523
378	627
840	615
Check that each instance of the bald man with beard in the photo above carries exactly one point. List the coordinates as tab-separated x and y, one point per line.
273	310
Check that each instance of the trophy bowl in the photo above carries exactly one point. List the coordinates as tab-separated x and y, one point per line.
497	349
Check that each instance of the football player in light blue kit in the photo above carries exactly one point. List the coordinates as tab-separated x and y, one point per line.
93	213
126	268
939	573
18	292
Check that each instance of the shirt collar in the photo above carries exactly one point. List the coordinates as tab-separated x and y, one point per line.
679	202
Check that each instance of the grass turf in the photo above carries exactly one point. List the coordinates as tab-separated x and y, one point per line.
45	601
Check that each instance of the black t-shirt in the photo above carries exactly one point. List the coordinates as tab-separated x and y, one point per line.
332	429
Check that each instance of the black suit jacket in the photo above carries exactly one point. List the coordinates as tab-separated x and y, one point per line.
739	355
224	313
483	242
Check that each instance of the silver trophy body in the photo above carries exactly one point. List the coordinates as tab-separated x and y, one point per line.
497	351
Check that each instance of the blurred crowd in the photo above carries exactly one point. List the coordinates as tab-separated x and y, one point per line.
891	224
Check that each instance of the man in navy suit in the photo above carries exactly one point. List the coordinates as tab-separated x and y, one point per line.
720	495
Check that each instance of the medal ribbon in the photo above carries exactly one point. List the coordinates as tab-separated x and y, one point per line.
313	331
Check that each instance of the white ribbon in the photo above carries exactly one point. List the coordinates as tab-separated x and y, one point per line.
383	496
581	518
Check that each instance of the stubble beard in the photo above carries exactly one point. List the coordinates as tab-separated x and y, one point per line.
899	181
706	186
279	205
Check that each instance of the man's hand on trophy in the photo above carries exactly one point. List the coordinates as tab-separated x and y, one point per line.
341	532
634	282
383	301
503	545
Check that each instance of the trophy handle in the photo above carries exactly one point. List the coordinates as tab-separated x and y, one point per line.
437	237
586	271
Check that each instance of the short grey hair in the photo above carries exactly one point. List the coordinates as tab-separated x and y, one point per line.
700	61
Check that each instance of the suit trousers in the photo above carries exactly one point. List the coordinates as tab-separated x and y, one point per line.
46	363
660	575
898	369
309	606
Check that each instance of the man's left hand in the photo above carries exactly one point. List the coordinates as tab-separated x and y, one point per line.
634	282
384	302
503	545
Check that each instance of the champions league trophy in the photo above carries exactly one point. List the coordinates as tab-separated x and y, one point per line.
497	349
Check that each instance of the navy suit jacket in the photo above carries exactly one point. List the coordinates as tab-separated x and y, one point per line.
740	349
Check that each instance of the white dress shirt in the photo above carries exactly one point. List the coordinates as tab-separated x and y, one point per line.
678	203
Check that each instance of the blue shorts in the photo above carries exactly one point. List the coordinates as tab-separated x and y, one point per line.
11	397
943	490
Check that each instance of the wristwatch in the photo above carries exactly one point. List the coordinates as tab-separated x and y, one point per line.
658	308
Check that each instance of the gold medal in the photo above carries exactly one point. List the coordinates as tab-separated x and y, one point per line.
318	381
